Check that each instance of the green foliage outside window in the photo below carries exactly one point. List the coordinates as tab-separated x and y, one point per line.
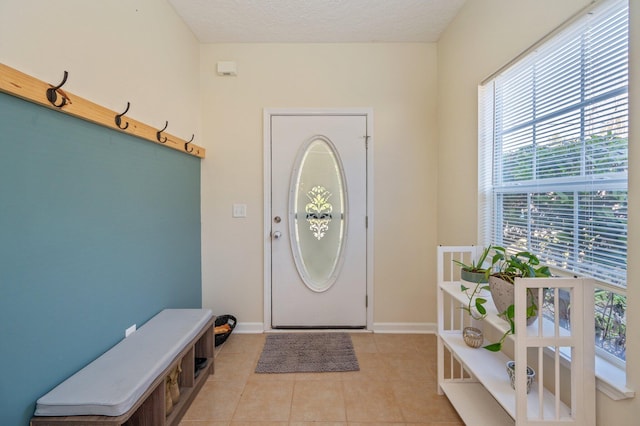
546	222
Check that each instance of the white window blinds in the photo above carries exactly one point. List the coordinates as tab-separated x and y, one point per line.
553	148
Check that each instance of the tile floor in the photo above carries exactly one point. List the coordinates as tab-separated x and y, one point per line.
396	385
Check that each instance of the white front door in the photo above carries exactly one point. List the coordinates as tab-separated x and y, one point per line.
318	220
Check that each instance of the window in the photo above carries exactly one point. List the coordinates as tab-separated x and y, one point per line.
553	158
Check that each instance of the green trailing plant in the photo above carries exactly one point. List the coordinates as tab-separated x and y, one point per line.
476	267
475	301
508	314
522	264
508	267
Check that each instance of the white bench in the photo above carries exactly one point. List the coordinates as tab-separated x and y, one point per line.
128	381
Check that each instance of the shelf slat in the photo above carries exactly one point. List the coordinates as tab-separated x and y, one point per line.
492	319
489	368
475	405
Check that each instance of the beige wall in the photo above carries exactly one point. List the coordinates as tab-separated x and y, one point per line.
399	82
115	51
483	37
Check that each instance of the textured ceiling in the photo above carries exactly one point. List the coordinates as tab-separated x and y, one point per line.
316	21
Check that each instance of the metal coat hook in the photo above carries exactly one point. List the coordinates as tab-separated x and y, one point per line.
162	139
118	118
187	144
52	93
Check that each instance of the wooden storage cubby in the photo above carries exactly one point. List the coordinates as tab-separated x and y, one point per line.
190	385
150	408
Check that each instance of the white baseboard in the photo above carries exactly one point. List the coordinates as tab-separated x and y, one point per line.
405	327
379	327
249	328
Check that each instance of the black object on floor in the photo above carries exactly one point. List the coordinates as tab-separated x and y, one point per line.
222	320
200	364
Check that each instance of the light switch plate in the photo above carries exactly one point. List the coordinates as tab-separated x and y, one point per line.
239	210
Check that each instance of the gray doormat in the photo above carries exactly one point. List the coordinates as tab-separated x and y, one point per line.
307	353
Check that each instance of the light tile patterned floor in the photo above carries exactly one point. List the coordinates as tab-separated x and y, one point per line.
396	385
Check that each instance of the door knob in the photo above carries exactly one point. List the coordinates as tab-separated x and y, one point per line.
277	235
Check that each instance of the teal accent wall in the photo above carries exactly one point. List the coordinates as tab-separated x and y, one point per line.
99	230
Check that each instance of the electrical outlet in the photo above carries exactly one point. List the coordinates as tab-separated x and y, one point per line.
129	331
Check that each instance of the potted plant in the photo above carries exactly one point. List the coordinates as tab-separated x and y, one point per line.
477	274
505	269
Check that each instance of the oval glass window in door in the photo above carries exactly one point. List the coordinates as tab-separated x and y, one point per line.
317	209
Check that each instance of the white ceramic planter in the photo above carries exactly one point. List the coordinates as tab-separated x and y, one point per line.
502	294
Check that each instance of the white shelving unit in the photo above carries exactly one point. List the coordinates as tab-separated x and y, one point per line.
476	381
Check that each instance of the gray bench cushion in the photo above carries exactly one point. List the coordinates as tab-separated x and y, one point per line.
112	384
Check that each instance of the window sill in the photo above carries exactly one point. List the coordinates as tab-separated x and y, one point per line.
611	379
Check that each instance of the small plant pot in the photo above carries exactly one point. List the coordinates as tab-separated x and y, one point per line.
473	277
475	281
511	370
472	337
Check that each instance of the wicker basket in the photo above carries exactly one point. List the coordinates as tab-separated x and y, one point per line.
230	320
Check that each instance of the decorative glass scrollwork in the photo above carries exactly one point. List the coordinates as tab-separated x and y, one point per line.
319	211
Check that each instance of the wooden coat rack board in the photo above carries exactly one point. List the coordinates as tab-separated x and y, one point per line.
31	89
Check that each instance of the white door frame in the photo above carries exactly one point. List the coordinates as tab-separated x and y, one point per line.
268	113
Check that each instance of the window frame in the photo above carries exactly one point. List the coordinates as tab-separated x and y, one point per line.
487	193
